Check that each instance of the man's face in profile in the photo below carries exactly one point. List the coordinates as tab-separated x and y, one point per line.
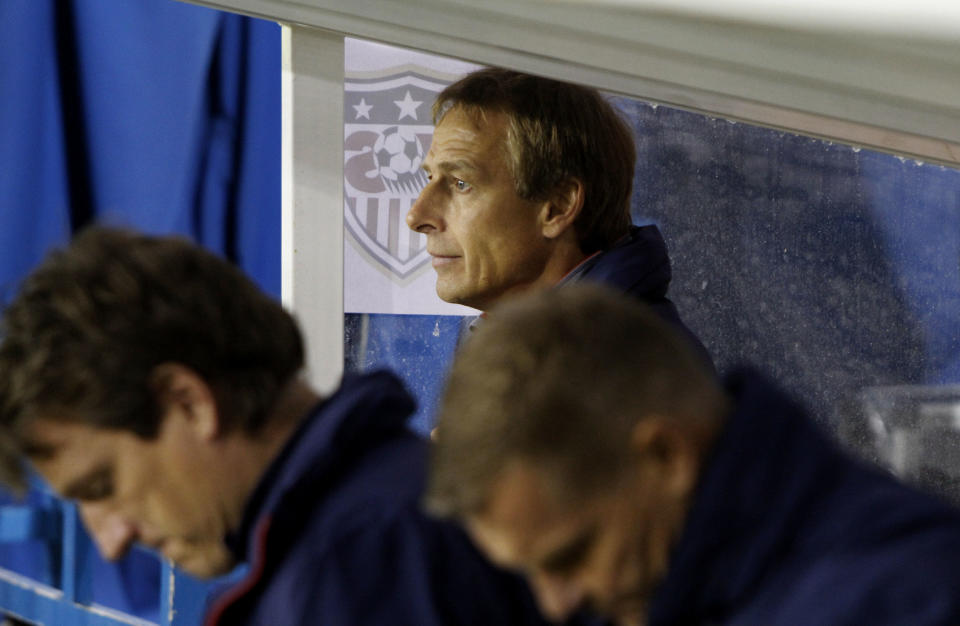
131	490
485	240
605	552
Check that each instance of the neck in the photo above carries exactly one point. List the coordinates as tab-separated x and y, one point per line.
562	263
248	455
557	265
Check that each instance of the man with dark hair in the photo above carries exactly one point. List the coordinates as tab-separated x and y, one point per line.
582	441
529	183
154	384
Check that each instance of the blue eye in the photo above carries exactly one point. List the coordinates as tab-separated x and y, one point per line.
462	185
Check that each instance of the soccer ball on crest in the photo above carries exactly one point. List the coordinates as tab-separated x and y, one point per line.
398	154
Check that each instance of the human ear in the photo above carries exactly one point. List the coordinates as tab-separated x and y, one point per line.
665	450
561	210
177	387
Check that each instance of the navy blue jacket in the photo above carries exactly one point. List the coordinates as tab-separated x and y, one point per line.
335	537
639	266
787	530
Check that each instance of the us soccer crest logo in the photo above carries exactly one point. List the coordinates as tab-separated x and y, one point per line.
387	132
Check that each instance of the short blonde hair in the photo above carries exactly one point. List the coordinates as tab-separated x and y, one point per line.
560	378
557	131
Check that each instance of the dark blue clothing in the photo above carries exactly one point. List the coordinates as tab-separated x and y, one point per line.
334	534
785	529
638	265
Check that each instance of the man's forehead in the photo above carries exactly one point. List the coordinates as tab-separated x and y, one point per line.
522	518
519	493
47	438
46	433
68	453
460	145
475	117
459	127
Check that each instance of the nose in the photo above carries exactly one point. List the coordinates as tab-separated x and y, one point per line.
424	215
112	533
557	596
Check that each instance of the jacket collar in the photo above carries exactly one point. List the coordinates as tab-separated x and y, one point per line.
767	466
364	411
637	264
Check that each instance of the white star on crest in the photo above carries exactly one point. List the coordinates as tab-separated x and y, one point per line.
408	106
362	109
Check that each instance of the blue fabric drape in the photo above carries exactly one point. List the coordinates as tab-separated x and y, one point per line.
154	114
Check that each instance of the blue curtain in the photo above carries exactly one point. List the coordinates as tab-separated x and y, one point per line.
153	114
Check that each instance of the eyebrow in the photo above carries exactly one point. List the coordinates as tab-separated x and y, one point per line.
80	488
454	166
570	554
38	450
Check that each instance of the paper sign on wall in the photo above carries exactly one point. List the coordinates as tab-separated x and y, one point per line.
388	96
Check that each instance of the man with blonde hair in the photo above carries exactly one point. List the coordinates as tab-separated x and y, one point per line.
529	183
582	441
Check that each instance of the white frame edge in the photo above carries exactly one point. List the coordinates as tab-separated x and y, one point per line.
312	196
872	89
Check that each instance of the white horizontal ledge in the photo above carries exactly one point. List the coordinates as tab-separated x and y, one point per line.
856	83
